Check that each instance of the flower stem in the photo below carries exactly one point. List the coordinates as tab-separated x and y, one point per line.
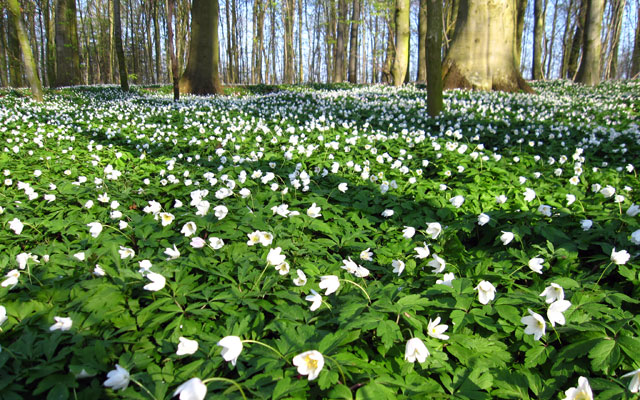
522	266
265	345
344	381
260	277
231	381
602	274
359	287
143	388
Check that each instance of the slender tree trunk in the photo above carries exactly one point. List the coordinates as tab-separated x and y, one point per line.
615	28
117	38
403	32
538	31
434	62
88	75
67	49
549	55
28	61
635	57
521	8
390	52
353	43
576	43
482	53
589	71
3	52
300	64
422	43
565	39
13	47
201	74
156	35
289	13
171	4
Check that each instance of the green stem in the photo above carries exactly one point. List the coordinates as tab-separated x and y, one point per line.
260	277
265	345
522	266
231	381
33	227
344	381
557	334
143	388
359	287
602	274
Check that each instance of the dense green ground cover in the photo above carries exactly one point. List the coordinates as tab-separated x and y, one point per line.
129	224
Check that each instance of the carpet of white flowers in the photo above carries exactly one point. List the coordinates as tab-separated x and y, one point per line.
315	242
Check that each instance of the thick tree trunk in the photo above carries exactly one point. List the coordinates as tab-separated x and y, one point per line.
387	76
521	8
67	50
482	53
338	72
538	31
13	47
434	61
353	43
28	61
403	32
422	43
576	42
201	75
117	33
589	71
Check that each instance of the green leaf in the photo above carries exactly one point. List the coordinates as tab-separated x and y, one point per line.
388	332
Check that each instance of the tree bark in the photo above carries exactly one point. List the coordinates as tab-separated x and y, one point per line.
576	42
289	15
201	75
67	50
422	43
521	8
387	76
3	52
635	57
615	29
353	43
403	32
589	71
171	7
482	53
156	35
434	61
117	38
338	72
28	61
538	31
13	47
565	39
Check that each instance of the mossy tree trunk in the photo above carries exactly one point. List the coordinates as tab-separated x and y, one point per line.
403	32
28	61
201	76
13	52
589	71
67	50
434	60
482	52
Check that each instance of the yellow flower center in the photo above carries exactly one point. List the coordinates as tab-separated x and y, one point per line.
311	363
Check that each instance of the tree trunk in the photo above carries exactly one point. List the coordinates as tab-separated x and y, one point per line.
403	32
589	71
201	74
156	35
549	54
353	43
635	57
538	31
387	76
338	72
422	43
434	61
565	39
521	8
13	47
482	53
615	29
289	14
3	52
171	7
67	50
259	8
576	43
117	38
28	61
